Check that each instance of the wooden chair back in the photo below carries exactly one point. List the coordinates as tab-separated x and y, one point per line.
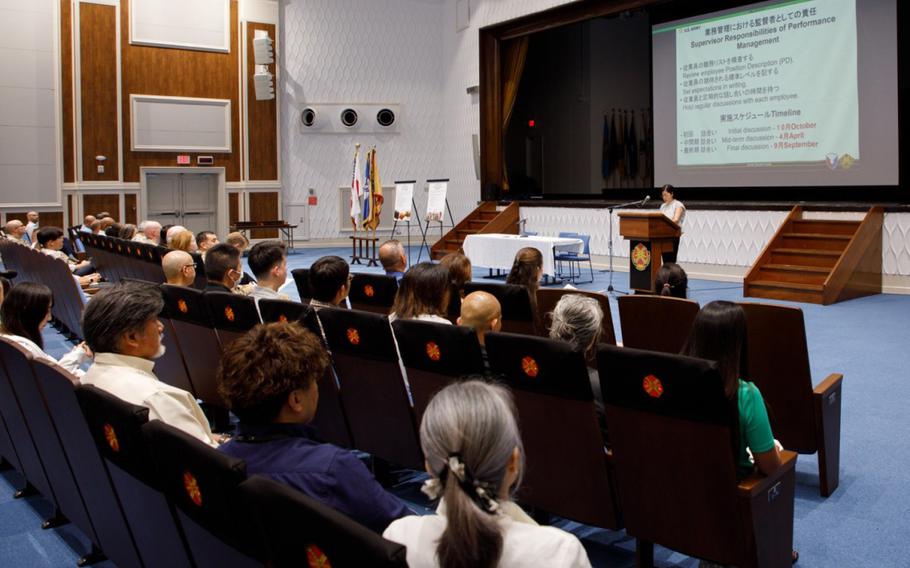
547	298
518	312
656	323
373	292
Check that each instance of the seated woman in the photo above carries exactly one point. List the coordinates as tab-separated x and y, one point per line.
127	232
184	240
25	311
474	454
527	270
459	267
423	294
672	281
49	240
269	380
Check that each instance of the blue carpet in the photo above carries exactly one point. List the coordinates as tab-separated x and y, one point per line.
865	523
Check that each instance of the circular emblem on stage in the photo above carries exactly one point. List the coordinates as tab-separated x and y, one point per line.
229	313
641	257
652	386
192	488
529	366
283	318
181	305
368	291
316	558
111	438
433	351
353	336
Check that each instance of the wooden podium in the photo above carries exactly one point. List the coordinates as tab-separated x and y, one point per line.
650	234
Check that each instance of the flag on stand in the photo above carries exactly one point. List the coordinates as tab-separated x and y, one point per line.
372	198
356	190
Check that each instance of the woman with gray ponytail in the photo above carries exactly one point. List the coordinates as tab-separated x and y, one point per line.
474	454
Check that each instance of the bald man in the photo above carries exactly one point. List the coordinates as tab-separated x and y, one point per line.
32	225
15	230
87	224
481	311
179	268
393	258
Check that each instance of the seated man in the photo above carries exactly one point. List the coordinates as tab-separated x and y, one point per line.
269	262
121	327
15	231
222	268
481	311
393	258
205	240
240	242
179	268
50	242
330	282
269	380
87	224
149	232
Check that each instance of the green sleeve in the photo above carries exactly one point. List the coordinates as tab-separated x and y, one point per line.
754	417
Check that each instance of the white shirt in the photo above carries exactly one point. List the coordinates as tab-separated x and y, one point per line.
141	238
525	543
260	292
669	209
72	361
132	380
423	317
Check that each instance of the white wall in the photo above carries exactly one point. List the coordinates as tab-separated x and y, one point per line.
29	109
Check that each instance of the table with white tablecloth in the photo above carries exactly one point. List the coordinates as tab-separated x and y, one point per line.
498	251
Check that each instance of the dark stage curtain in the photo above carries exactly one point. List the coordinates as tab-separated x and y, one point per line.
514	53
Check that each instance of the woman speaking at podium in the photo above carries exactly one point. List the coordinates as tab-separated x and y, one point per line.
676	211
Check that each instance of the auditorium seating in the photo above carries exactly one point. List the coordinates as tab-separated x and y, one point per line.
671	428
282	310
567	470
435	354
547	298
117	258
302	282
232	315
656	323
804	418
373	292
517	311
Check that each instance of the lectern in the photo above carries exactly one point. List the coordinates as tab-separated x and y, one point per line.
649	233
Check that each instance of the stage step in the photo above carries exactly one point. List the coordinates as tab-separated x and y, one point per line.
489	217
790	291
815	241
826	226
794	273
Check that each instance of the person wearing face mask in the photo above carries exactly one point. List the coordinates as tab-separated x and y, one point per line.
121	327
24	313
222	268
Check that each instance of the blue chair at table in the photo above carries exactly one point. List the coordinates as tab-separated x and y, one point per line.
574	258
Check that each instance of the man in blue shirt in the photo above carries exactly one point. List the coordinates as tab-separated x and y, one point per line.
269	379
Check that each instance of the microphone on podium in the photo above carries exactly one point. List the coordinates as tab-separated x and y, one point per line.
645	200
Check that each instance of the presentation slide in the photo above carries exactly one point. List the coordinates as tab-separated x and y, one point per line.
779	93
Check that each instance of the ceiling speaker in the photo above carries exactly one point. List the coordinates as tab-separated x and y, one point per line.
349	117
308	117
385	117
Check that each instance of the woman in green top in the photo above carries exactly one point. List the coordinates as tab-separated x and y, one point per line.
719	334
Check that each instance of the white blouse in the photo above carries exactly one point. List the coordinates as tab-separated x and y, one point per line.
525	543
670	209
72	361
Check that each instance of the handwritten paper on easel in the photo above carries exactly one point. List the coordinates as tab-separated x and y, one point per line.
404	196
436	200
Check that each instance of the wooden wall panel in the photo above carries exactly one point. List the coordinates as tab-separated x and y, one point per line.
71	210
94	203
66	91
98	61
182	73
233	208
130	208
261	116
264	207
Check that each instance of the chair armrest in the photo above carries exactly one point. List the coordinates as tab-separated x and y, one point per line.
757	483
829	385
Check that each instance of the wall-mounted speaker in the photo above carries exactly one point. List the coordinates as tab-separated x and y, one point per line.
308	117
385	117
349	117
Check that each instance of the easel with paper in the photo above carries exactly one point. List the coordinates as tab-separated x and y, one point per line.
437	206
405	208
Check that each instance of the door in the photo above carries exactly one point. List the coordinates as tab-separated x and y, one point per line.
183	199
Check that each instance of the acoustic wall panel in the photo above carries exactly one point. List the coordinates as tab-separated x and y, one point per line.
200	25
180	124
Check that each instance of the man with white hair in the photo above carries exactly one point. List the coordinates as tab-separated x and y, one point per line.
148	232
87	224
15	231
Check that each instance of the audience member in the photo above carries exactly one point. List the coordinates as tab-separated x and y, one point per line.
162	235
15	230
459	267
269	262
121	327
330	282
527	270
106	223
103	215
96	227
578	320
205	240
184	240
393	258
179	268
87	224
127	232
222	268
173	231
113	230
149	232
50	242
269	380
240	242
719	334
473	452
32	226
482	312
24	313
672	281
423	294
5	285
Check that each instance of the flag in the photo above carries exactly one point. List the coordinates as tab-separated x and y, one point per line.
372	202
365	193
356	190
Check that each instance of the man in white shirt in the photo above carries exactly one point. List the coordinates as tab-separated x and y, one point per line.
149	232
15	231
269	262
32	225
121	327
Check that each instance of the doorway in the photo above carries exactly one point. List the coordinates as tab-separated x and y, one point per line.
188	199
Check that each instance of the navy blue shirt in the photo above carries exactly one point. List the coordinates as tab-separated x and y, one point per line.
288	454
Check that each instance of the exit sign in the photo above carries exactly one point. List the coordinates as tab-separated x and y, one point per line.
183	160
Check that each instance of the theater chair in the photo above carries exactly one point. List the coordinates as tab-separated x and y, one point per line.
656	323
171	368
108	520
282	310
116	427
671	430
567	469
201	281
434	355
302	281
298	530
373	293
373	390
232	315
203	485
547	298
804	418
517	313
